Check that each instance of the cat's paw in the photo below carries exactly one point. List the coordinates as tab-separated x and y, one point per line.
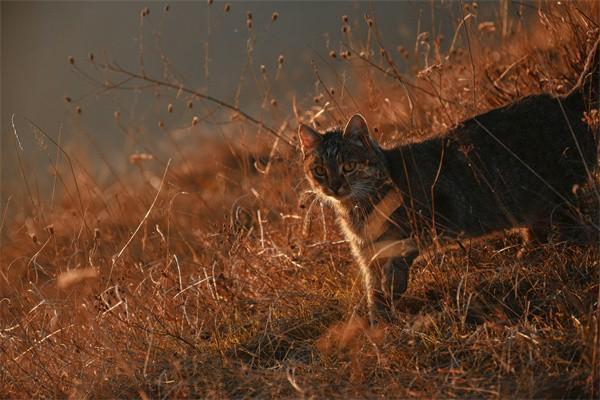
395	274
384	309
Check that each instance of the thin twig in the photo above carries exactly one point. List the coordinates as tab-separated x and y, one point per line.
120	253
12	122
210	98
41	341
470	55
68	160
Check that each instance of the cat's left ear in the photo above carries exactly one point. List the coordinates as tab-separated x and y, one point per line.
357	128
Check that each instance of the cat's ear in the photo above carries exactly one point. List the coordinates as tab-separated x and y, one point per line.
309	138
357	128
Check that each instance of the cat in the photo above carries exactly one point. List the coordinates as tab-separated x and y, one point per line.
513	166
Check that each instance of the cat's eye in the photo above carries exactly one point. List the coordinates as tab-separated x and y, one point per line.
349	166
319	171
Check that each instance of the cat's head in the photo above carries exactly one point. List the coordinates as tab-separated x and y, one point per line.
343	165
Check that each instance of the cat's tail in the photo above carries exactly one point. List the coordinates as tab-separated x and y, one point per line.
588	84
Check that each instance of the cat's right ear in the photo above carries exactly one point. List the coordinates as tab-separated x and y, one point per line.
309	138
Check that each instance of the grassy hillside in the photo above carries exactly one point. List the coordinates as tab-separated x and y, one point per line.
218	275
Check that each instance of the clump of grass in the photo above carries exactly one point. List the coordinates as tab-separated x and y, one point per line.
226	279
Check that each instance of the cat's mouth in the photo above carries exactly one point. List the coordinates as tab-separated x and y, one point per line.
341	194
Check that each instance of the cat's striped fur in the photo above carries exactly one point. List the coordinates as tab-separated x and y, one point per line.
514	166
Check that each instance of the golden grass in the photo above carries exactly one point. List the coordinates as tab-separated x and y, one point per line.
237	284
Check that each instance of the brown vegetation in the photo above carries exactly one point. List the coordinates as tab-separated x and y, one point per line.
220	277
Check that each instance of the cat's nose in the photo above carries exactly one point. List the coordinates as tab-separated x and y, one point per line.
335	186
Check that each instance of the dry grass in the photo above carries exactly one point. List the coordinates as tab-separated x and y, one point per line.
237	284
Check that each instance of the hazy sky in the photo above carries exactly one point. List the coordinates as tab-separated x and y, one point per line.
38	37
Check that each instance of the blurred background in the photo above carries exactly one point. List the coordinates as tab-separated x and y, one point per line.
208	47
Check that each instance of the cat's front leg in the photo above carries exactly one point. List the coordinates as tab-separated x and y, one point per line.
394	275
391	266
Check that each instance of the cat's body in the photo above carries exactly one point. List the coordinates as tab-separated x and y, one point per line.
510	167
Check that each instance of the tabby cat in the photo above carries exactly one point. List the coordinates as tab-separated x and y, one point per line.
509	167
